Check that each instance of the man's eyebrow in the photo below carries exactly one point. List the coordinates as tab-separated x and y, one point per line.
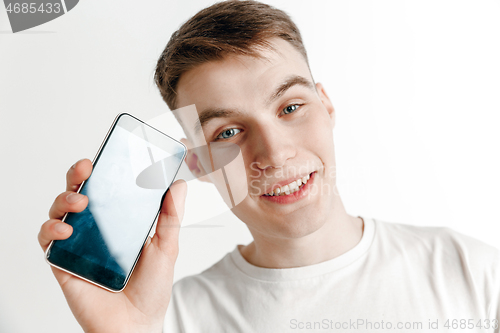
288	83
208	114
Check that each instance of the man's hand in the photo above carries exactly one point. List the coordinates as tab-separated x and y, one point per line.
142	305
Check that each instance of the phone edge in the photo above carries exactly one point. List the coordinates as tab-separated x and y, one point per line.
47	251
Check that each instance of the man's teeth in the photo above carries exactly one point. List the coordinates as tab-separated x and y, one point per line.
289	188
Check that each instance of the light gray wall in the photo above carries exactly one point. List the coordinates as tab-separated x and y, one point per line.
414	83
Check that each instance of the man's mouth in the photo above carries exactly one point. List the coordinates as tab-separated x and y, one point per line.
290	188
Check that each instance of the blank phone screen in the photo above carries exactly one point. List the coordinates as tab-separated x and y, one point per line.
132	172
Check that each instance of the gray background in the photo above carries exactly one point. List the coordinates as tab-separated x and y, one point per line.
415	86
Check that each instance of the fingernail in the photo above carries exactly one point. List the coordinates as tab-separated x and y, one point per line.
74	165
74	197
61	227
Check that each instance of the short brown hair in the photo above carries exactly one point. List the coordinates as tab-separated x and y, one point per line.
229	27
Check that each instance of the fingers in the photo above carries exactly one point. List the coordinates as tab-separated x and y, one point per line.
68	202
79	172
169	221
53	230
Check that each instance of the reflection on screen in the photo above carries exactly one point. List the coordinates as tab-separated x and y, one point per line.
123	198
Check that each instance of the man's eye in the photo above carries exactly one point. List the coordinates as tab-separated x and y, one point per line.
290	108
226	134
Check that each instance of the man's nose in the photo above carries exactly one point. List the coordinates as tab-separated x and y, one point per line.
273	145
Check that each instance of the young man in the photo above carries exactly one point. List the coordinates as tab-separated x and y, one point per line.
311	266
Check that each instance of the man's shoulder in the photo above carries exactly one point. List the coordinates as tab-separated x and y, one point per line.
442	242
433	234
455	261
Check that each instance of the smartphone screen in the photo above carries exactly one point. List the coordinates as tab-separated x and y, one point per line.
131	173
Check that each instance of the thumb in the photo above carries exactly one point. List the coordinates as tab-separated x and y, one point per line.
166	237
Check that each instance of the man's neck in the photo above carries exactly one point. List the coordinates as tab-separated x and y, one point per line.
340	233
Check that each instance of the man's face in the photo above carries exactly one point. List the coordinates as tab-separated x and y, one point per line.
283	125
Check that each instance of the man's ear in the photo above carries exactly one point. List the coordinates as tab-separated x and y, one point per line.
194	164
326	102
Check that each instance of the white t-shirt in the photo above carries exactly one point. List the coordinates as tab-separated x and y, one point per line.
398	278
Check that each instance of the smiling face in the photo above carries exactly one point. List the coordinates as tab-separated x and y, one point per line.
283	125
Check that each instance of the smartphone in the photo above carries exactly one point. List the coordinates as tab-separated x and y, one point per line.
132	171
